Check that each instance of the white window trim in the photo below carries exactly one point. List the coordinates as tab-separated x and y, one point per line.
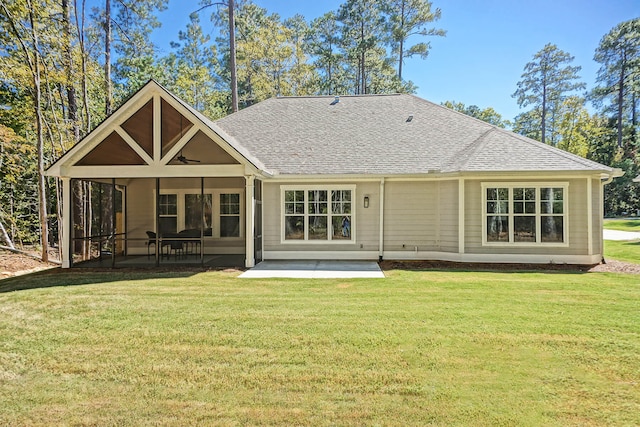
327	188
215	210
538	215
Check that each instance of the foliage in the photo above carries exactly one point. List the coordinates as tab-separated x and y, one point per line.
546	82
488	114
619	89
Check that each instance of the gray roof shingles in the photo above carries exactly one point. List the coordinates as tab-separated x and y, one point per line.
371	134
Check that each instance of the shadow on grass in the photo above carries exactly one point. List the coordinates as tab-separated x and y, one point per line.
75	277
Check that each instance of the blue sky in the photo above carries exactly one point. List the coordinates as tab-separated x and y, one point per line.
487	45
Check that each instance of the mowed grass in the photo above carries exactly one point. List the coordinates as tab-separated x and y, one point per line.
622	224
627	251
418	348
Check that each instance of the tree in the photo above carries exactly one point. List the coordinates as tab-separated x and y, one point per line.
619	73
362	30
324	46
546	81
488	114
190	69
25	20
409	18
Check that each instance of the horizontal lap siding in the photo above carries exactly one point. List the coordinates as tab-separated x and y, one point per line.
577	221
411	216
365	224
448	216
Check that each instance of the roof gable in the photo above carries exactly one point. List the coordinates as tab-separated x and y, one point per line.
153	134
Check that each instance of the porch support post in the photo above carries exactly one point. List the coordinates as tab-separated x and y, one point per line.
249	215
590	215
114	238
381	230
202	221
67	220
461	216
157	227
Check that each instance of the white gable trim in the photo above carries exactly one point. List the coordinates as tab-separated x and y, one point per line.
156	166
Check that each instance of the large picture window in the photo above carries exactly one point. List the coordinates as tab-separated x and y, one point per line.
318	214
525	214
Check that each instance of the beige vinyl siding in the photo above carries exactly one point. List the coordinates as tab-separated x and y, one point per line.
596	206
448	216
421	216
365	226
141	209
577	220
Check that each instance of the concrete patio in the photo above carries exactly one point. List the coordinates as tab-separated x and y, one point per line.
315	270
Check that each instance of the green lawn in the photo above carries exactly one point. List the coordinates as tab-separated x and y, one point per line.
628	251
418	348
622	224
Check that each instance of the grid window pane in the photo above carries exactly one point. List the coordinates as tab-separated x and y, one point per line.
230	226
317	228
294	228
524	229
168	204
498	229
341	227
552	229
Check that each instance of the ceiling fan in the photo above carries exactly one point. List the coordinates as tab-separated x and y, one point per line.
186	161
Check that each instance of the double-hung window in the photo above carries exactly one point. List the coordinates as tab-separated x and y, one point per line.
525	214
318	214
168	213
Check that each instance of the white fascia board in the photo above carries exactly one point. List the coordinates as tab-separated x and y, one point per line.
145	171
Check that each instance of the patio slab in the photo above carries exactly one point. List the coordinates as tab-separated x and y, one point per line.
315	270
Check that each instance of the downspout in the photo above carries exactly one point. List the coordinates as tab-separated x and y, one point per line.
381	236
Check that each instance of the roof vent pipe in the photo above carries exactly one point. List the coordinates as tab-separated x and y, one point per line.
336	100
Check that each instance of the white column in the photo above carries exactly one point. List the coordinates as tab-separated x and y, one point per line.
66	222
249	234
381	237
461	216
589	215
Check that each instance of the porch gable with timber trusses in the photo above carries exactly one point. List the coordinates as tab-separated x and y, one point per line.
155	135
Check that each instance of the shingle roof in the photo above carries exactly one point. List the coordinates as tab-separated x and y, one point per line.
372	134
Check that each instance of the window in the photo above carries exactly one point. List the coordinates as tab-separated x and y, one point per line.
230	215
168	212
193	212
318	214
525	214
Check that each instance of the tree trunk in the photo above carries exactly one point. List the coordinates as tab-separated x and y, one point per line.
72	112
543	118
5	236
42	191
401	52
232	57
621	102
107	57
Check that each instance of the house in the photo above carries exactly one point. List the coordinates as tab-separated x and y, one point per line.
350	177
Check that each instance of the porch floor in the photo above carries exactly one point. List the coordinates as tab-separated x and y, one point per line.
142	261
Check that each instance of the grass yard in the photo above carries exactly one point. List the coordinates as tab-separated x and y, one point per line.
622	224
621	250
418	348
